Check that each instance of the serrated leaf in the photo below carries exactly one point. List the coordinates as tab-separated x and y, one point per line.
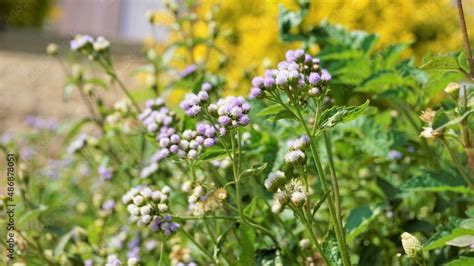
436	182
285	114
331	249
446	233
341	114
271	110
443	63
359	219
385	80
268	257
213	154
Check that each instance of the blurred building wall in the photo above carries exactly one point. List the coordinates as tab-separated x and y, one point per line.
116	19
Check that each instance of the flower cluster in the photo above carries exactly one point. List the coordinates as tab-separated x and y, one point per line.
231	112
149	207
87	43
428	132
296	150
202	201
188	145
78	144
192	103
157	118
299	75
285	192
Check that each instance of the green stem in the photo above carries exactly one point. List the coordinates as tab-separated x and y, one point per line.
201	248
337	226
236	173
162	252
458	164
332	170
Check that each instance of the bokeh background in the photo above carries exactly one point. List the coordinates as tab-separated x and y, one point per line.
31	83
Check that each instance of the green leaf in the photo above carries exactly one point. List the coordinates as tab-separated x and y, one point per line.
213	154
446	233
247	238
436	182
462	241
443	63
221	241
331	249
444	122
98	82
75	128
271	110
285	114
341	114
254	170
268	257
32	214
385	80
359	219
463	261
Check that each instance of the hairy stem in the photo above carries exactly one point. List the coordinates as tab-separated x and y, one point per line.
467	45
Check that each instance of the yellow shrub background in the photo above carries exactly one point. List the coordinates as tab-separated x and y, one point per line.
430	25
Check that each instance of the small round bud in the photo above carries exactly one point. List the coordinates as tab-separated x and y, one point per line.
52	49
146	219
298	198
145	210
138	200
305	243
162	207
275	180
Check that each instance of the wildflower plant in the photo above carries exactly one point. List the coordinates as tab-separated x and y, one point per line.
186	171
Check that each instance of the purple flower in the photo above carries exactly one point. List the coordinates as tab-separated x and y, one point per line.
314	78
206	86
325	75
108	205
209	142
81	41
257	81
395	155
255	92
105	172
268	82
188	71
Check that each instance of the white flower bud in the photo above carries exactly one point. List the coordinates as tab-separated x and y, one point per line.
410	244
166	190
305	243
282	197
146	192
275	180
162	207
132	261
146	219
298	198
276	207
156	196
138	200
186	186
145	210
